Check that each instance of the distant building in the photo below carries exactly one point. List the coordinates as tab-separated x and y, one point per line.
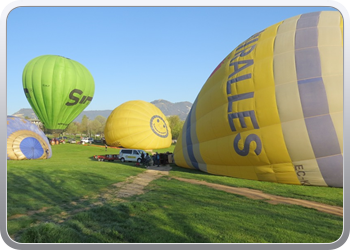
37	122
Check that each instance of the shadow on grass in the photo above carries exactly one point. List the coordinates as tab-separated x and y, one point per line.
160	216
169	213
45	196
39	189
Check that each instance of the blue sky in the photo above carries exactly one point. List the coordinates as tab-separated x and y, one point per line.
134	53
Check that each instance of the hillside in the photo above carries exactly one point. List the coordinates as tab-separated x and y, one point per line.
168	108
179	108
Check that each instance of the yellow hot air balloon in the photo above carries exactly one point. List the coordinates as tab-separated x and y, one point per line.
137	124
273	108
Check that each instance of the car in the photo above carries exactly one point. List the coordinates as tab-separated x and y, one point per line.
130	155
106	157
72	141
87	140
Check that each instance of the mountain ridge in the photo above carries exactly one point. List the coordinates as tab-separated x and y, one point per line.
168	108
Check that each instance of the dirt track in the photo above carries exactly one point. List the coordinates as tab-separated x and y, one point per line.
273	199
142	180
135	186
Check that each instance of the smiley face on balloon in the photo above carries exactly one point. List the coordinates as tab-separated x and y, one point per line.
159	126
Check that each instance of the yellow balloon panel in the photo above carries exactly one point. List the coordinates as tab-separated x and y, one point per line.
272	109
138	124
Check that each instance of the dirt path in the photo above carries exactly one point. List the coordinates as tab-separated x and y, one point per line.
273	199
132	186
135	186
260	195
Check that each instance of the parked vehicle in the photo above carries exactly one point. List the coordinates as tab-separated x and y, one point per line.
72	141
106	157
87	140
130	155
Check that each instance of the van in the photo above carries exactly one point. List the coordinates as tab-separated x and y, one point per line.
130	155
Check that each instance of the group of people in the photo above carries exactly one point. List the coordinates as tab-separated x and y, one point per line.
148	161
57	141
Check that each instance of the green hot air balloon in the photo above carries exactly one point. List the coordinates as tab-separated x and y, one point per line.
58	89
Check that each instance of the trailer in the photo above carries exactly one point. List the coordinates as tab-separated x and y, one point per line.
108	157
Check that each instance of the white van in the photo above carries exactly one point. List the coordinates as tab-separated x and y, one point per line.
130	155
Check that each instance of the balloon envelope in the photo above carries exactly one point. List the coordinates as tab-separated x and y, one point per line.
25	140
58	89
272	110
139	125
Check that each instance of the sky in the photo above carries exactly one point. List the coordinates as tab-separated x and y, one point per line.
134	53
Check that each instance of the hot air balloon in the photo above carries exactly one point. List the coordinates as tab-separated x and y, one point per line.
26	140
58	89
272	110
137	124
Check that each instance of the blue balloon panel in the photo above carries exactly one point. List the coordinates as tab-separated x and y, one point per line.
31	148
26	141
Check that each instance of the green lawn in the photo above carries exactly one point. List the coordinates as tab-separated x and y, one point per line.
169	211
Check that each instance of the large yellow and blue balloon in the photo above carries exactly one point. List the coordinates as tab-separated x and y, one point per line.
138	124
25	140
273	108
58	89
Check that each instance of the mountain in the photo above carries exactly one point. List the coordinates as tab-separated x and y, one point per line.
168	108
25	113
92	114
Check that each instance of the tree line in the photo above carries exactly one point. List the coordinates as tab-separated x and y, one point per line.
96	127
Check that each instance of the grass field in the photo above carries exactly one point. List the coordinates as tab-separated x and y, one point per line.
57	201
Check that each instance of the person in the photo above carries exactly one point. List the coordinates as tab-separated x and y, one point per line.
157	159
142	158
147	161
154	159
151	161
106	147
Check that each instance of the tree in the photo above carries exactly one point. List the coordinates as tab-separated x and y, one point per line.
87	126
73	128
94	126
102	120
175	124
84	126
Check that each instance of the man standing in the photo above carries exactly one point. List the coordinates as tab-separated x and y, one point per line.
142	158
157	159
